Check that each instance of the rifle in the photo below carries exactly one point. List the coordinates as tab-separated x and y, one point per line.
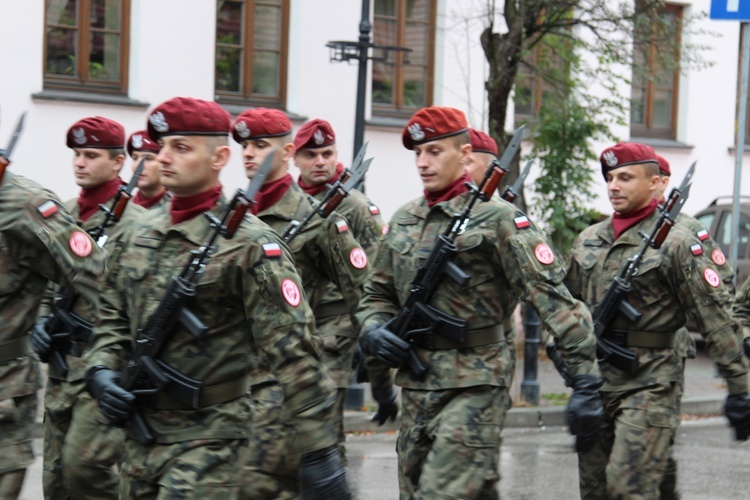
614	301
335	194
416	317
145	374
5	153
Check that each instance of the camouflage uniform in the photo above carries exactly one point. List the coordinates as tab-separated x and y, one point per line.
322	252
642	410
241	302
741	309
80	448
448	446
35	234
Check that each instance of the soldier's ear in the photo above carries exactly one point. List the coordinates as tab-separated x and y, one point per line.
288	151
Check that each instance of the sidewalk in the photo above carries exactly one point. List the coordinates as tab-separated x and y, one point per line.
705	392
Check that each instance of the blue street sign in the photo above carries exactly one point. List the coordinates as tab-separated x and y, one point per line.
732	10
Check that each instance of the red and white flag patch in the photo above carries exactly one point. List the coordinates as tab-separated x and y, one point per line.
544	254
47	209
272	250
696	249
712	278
80	244
374	210
522	222
291	292
358	258
702	235
718	257
342	226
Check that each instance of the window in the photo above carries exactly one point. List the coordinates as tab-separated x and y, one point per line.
654	90
251	52
86	45
403	84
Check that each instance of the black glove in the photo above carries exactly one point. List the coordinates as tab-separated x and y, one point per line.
322	475
585	411
387	406
115	402
746	346
737	410
40	340
384	345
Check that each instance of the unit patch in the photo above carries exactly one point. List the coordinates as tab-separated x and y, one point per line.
291	292
80	244
712	278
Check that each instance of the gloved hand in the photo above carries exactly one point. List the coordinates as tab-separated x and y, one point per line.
387	406
384	345
40	340
322	475
737	410
115	402
585	411
746	346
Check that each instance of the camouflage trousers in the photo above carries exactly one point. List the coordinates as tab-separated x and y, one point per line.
203	469
634	449
16	433
272	466
81	449
449	444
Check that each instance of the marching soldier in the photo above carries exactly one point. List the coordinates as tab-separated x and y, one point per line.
151	194
642	408
250	300
326	253
79	447
448	446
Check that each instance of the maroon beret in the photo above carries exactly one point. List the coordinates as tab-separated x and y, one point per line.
188	116
259	123
663	166
316	133
482	143
96	132
430	124
623	154
140	141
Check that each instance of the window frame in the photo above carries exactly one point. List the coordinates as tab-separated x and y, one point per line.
245	96
82	81
398	109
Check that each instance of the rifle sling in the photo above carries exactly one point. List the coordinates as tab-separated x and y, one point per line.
13	349
215	394
338	308
475	338
648	340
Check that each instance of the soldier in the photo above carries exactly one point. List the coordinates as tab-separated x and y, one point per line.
741	313
642	408
151	194
39	242
316	156
79	447
448	446
250	300
325	252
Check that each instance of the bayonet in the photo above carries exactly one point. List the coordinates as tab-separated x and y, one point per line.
512	192
14	138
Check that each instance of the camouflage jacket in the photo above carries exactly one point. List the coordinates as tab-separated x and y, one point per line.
39	242
507	259
327	255
113	233
676	280
249	298
741	308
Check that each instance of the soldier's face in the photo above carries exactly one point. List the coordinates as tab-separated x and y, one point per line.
255	152
151	172
93	167
316	166
477	164
631	187
190	164
441	162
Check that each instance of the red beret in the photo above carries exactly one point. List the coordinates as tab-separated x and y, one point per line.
433	123
140	141
96	132
188	116
259	123
663	166
316	133
623	154
482	143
